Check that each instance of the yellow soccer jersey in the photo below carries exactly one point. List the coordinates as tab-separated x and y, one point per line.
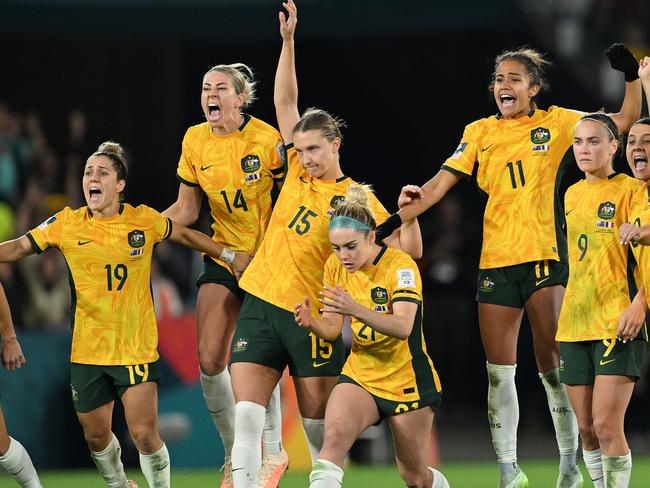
237	173
390	368
640	215
289	264
109	260
520	164
600	280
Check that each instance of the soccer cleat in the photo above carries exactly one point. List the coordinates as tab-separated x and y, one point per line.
131	484
273	467
517	479
226	481
570	480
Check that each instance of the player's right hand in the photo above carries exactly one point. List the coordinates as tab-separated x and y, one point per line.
12	354
629	233
288	25
302	313
409	194
240	263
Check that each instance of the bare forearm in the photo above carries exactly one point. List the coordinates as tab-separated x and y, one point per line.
387	324
631	107
15	249
6	324
432	192
410	238
324	329
196	240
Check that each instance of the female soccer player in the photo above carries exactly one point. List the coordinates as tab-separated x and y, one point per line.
237	161
108	247
601	303
388	373
288	266
520	158
13	456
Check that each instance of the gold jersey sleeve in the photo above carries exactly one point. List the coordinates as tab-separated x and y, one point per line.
519	165
238	174
109	261
390	368
288	266
601	280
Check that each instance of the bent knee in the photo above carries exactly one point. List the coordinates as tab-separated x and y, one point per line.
97	439
146	439
213	360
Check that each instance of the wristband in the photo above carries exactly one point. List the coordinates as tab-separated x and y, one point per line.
227	255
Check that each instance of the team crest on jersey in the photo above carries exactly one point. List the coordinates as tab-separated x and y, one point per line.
540	135
335	202
606	210
240	345
136	238
379	295
251	163
487	285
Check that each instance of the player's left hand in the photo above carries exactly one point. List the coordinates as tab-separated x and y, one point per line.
337	300
629	233
630	322
409	194
12	354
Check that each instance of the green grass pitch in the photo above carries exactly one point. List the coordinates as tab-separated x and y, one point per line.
541	473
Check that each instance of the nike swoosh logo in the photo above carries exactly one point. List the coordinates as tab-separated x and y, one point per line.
603	363
83	243
302	178
483	149
203	168
318	365
568	212
236	469
539	282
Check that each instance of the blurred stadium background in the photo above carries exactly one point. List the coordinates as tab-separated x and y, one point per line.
405	76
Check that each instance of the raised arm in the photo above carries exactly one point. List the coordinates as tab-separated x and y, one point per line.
16	249
185	210
408	237
644	74
623	60
200	242
285	91
12	355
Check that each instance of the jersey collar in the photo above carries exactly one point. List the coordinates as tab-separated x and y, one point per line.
380	254
119	210
530	114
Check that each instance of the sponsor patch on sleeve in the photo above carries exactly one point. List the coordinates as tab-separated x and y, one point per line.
459	150
47	222
405	278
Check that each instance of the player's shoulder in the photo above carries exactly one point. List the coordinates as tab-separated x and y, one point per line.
628	182
141	211
197	132
398	258
261	131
